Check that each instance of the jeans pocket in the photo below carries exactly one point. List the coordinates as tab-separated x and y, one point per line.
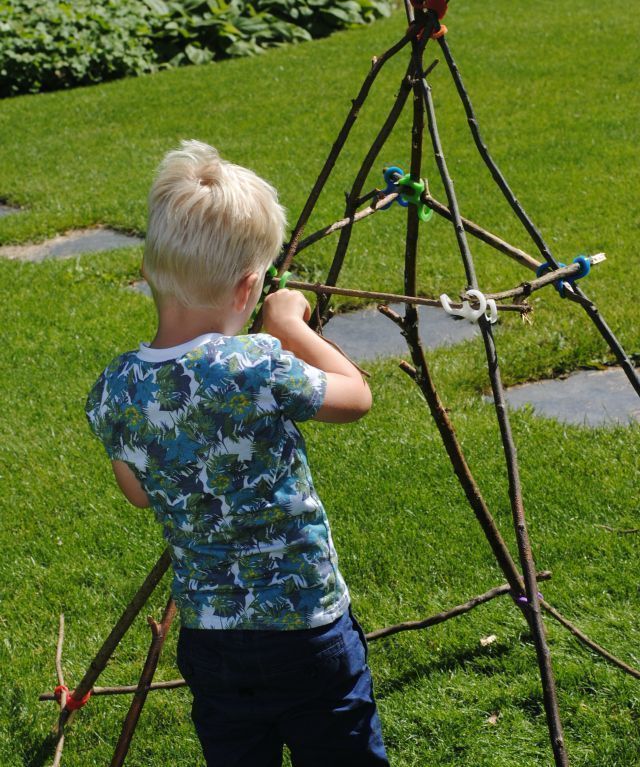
307	667
326	660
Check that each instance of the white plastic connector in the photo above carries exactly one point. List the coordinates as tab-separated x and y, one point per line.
467	311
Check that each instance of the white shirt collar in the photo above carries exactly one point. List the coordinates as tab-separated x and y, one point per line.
152	354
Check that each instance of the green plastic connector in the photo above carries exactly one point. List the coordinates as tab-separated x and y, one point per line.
413	195
272	272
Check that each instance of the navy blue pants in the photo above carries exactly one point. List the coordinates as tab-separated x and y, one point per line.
254	691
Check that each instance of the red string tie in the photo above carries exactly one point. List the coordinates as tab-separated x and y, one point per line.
72	704
439	6
435	34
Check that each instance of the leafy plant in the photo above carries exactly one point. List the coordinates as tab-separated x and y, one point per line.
52	44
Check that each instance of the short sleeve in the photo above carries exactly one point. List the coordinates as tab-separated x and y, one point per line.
102	418
298	388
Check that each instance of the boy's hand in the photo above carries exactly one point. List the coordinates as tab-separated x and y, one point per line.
283	307
347	396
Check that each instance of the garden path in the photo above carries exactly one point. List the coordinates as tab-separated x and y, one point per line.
73	243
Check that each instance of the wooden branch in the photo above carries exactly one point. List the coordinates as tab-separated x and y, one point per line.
97	665
446	615
159	633
377	64
582	637
422	376
57	757
129	689
500	180
469	226
578	296
59	644
317	287
413	221
620	531
526	288
378	205
484	235
393	316
338	348
356	191
603	328
531	607
409	626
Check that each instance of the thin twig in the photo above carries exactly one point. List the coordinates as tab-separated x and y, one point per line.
378	205
320	288
378	63
393	316
577	294
526	288
159	633
619	531
582	637
531	609
59	645
496	173
128	689
411	626
338	348
63	693
97	665
58	752
445	615
417	131
356	190
497	243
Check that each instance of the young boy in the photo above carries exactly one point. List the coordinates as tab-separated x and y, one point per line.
200	426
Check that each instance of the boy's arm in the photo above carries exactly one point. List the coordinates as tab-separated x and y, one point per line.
347	396
130	485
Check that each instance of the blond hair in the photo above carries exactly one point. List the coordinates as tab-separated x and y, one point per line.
210	223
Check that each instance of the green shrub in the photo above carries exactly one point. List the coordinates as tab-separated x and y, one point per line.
52	44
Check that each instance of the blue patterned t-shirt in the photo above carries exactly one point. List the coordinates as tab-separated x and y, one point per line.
208	429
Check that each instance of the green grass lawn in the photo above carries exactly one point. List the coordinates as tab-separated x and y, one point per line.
555	90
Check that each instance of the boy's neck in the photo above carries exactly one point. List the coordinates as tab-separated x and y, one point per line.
178	324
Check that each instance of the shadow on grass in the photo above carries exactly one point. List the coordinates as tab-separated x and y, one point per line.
454	661
39	754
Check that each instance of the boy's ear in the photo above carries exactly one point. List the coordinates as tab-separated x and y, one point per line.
244	290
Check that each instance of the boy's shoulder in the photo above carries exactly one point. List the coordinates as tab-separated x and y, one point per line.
242	374
259	344
239	351
116	371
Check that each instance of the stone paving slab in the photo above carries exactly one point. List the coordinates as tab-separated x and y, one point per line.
71	244
368	335
585	398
